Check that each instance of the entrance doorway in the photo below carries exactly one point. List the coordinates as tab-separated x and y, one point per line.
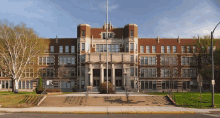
96	83
118	83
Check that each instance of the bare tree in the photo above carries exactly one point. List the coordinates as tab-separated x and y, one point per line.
63	73
18	45
169	67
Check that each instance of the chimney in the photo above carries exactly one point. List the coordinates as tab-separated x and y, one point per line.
199	38
158	39
56	39
178	39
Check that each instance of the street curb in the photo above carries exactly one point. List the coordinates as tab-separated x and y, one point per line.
104	112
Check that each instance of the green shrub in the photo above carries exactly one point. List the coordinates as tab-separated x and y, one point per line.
103	88
40	87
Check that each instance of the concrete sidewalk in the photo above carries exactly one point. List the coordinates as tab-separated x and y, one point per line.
109	109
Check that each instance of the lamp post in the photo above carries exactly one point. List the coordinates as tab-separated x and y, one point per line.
125	73
213	66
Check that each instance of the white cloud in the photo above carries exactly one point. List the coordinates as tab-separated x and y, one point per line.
41	10
192	22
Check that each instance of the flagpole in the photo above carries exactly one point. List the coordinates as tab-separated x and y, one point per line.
107	42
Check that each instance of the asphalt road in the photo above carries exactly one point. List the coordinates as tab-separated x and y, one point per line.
36	115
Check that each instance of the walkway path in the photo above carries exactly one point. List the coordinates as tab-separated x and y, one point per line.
97	94
108	109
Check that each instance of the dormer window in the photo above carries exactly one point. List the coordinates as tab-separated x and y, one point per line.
110	35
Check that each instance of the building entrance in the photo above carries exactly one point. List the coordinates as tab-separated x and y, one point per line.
118	83
96	83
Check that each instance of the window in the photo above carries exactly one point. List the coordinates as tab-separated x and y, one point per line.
132	58
148	60
194	49
154	49
61	49
132	46
189	73
72	49
148	49
118	72
109	72
103	35
142	49
168	60
83	32
127	47
188	49
165	72
96	72
52	49
142	60
82	58
148	72
117	48
189	61
28	72
168	49
183	49
83	46
162	49
46	60
64	60
132	71
131	33
174	49
67	49
46	72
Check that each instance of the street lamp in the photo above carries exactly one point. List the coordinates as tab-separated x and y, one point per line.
213	81
125	73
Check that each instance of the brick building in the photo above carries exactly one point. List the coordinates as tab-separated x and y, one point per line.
130	59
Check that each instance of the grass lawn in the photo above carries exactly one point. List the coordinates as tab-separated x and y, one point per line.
13	100
193	99
7	93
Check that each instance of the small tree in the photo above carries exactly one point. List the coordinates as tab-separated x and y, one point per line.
169	67
62	73
18	45
103	88
40	87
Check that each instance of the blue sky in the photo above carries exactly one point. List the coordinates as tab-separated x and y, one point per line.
166	18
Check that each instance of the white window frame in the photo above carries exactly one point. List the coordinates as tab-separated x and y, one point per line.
168	49
174	49
72	49
153	49
67	49
147	49
52	49
60	49
141	49
162	49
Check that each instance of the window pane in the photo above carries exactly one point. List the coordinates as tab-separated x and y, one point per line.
146	60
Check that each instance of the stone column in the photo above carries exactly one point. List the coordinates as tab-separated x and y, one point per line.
101	73
123	76
91	76
113	75
86	76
